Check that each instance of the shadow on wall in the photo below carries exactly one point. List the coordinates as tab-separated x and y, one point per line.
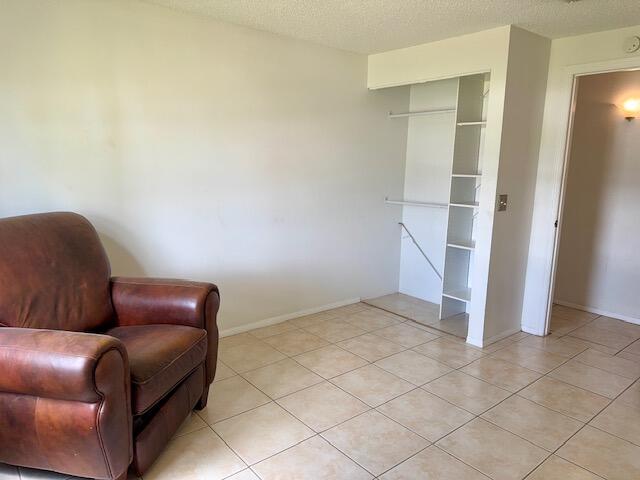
585	199
123	262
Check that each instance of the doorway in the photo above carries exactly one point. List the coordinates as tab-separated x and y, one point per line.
597	262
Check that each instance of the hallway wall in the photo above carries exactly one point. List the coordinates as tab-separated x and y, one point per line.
599	259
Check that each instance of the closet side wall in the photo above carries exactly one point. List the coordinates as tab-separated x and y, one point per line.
598	263
521	129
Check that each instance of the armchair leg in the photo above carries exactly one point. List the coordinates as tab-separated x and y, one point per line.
203	399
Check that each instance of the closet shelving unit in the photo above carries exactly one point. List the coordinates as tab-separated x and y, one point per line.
446	122
466	177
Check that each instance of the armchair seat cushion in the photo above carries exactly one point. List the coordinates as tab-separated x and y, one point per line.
160	357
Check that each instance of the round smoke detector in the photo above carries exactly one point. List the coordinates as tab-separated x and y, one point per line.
632	44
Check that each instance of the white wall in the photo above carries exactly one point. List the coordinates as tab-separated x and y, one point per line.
598	262
203	150
597	51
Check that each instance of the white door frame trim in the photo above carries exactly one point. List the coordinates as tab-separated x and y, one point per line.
572	72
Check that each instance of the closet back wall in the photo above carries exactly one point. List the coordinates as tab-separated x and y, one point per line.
598	261
427	177
204	150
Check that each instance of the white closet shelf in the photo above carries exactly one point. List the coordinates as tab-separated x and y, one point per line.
465	204
462	245
457	293
466	175
470	124
415	204
421	113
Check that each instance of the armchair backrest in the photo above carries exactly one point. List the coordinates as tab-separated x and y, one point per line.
54	273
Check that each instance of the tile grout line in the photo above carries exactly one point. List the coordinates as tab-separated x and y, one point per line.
298	419
516	392
588	424
340	423
475	416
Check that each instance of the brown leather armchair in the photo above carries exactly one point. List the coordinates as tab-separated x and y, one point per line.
96	373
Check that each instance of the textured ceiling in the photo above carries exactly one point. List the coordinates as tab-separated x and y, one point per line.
369	26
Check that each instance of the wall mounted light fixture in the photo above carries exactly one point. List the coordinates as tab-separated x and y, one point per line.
631	108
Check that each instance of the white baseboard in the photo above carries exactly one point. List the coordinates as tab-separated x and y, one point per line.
598	311
496	338
532	331
288	316
475	342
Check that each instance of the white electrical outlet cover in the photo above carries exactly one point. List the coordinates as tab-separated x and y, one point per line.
632	44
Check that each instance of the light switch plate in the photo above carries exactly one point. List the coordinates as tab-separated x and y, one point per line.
502	202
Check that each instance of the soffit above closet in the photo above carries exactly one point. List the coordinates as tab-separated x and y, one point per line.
371	26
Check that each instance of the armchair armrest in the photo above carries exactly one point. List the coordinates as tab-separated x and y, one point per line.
65	402
54	363
144	301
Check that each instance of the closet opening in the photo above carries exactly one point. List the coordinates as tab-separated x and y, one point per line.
446	123
597	265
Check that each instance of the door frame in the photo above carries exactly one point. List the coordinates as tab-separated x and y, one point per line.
572	74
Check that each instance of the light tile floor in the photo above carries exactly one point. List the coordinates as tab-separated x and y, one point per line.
359	393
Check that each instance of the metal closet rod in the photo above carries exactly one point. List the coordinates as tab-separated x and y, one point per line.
421	112
433	267
415	204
